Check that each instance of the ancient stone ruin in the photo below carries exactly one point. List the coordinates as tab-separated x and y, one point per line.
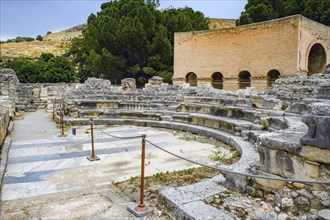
283	133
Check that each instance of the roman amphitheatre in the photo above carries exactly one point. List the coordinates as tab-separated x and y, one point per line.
73	150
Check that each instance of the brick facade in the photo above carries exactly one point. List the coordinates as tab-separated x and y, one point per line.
252	54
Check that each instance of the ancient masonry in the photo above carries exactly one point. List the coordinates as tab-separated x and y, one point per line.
284	134
251	55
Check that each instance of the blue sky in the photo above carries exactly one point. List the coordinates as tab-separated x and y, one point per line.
29	18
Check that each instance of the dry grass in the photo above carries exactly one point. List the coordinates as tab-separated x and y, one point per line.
55	43
31	49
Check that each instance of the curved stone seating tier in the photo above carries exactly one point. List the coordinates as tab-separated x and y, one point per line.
249	156
282	154
217	122
105	104
228	119
123	97
224	111
113	113
234	101
232	119
231	125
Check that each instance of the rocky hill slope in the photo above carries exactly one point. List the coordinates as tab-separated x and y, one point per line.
55	43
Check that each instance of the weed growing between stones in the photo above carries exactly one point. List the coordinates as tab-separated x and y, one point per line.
219	156
284	105
217	109
265	124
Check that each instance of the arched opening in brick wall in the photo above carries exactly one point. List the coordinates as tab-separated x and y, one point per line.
244	79
191	78
272	75
316	59
217	80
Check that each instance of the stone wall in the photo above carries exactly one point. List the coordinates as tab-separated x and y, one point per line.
7	111
280	45
8	82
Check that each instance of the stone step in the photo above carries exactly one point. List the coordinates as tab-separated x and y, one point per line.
188	202
231	125
249	114
234	101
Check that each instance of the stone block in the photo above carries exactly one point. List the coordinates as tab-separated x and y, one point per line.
286	164
264	103
128	85
250	191
298	108
313	153
155	81
274	184
318	134
236	182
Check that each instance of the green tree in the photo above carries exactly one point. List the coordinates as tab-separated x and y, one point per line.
47	69
59	69
130	38
262	10
39	38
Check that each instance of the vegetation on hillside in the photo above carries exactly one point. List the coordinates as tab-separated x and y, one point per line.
262	10
130	38
18	40
47	69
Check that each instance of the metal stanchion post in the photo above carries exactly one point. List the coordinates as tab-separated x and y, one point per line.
141	209
62	122
92	157
54	108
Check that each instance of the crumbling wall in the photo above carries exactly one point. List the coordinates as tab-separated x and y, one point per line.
299	87
8	82
8	85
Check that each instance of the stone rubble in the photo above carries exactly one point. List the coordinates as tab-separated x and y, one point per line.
297	88
272	141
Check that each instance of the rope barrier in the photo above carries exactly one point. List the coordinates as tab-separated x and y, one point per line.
224	170
114	136
128	137
239	173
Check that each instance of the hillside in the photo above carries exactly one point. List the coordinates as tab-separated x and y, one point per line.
55	43
218	23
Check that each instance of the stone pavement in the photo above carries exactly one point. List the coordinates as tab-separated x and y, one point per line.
41	163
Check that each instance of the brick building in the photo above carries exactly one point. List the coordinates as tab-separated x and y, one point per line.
251	55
